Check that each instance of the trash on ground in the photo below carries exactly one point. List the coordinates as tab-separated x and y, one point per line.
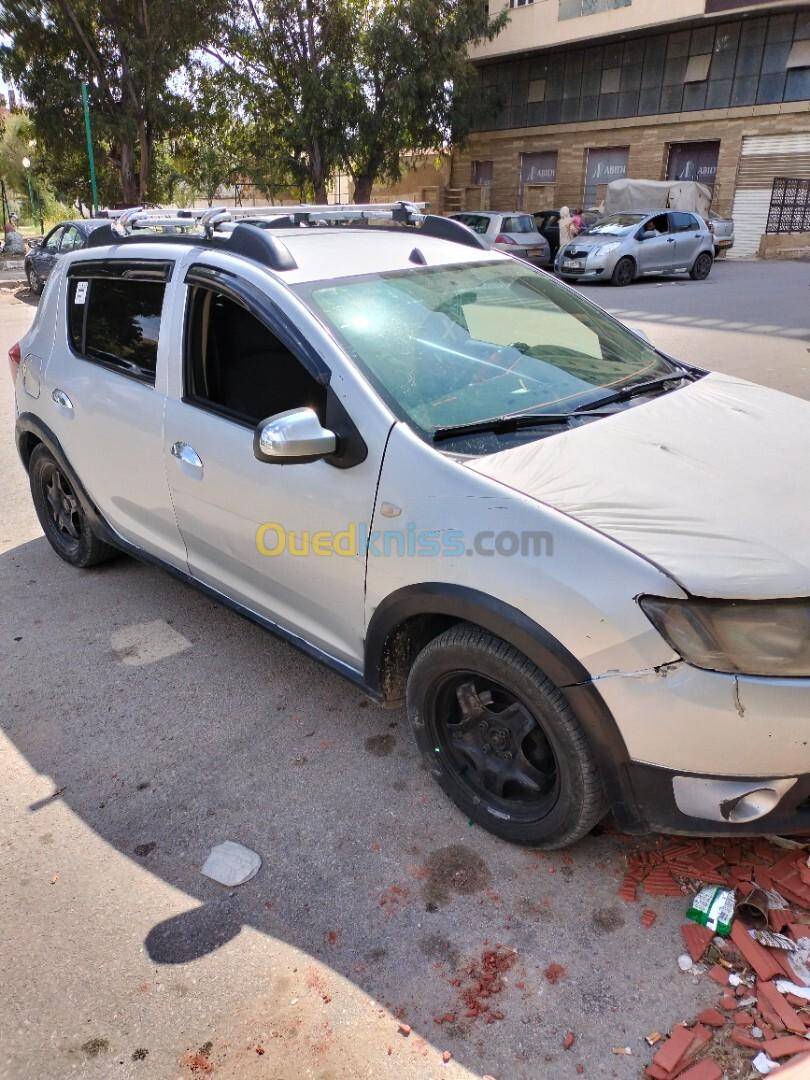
753	910
773	941
763	1064
231	864
714	909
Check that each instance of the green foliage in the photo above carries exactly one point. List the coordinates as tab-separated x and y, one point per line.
129	52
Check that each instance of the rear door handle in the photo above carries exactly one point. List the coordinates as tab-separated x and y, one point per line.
670	240
187	454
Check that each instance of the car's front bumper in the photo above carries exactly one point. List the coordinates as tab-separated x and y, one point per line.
589	269
700	744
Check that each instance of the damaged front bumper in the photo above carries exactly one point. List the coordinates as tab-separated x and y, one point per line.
710	753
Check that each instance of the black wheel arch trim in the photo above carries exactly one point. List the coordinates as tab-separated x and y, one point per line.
542	648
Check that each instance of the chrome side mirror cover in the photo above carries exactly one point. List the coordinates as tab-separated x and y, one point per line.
293	437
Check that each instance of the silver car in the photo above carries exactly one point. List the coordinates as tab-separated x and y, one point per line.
625	246
579	563
514	233
722	229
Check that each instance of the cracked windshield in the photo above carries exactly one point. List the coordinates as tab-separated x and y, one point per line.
456	345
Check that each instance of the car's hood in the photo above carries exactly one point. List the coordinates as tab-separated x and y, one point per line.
586	240
708	482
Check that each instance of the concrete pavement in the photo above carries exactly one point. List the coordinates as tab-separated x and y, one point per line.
376	901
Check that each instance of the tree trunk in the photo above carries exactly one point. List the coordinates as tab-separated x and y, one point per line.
129	181
363	183
316	172
145	145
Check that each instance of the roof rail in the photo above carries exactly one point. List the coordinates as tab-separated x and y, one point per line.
248	230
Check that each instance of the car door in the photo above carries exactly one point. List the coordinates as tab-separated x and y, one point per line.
44	257
284	541
689	236
656	252
72	240
105	397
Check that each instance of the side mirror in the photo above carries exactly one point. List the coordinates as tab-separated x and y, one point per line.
293	437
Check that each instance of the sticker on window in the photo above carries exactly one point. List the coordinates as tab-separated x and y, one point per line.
81	292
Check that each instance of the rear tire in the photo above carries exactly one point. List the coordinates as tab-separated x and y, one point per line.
623	272
502	741
61	514
701	267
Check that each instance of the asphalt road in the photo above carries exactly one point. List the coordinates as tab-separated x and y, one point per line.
376	901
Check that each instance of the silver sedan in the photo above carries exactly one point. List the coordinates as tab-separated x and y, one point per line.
513	233
626	246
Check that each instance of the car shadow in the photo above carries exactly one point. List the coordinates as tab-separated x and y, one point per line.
367	867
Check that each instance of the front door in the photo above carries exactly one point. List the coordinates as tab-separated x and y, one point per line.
656	251
43	257
285	541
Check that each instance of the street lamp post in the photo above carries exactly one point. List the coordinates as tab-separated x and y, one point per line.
26	164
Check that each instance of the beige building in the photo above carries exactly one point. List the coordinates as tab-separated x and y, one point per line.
578	92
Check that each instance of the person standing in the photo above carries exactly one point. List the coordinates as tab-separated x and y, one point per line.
567	232
579	222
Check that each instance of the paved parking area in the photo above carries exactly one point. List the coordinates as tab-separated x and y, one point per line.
142	724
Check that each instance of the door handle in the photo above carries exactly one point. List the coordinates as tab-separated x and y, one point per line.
187	454
60	398
670	240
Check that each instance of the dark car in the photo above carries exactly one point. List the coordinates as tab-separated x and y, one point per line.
548	225
63	238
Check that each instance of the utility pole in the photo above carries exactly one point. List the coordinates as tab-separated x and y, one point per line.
90	157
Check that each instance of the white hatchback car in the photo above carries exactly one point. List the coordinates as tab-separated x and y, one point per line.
583	564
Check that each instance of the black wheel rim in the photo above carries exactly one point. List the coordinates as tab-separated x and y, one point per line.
63	508
493	746
703	266
625	273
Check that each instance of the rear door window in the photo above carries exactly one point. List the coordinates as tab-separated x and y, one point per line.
477	222
115	321
518	223
682	222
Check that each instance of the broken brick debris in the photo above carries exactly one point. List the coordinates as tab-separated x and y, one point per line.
568	1041
789	1018
719	975
785	1047
648	918
696	939
712	1018
404	1029
704	1070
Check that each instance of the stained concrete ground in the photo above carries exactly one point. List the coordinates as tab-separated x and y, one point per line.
376	900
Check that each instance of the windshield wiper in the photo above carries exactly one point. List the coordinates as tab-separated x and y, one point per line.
510	423
634	389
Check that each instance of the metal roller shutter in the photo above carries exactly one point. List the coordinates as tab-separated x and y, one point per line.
763	158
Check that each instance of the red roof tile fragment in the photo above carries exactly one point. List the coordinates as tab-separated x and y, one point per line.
728	1003
673	1049
741	1037
786	1046
568	1041
754	954
719	974
696	939
648	918
704	1070
712	1017
743	1019
791	1021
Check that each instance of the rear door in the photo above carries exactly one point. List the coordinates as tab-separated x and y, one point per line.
689	237
106	395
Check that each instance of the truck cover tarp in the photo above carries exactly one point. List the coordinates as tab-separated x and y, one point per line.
650	194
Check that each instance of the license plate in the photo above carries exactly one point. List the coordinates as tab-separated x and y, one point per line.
533	251
570	264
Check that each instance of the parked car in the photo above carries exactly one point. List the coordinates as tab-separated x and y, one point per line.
625	246
63	238
581	563
514	233
722	229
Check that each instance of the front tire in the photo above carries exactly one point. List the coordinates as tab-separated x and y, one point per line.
34	284
701	267
624	271
61	513
502	741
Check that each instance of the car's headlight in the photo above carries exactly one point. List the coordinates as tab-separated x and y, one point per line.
745	637
604	250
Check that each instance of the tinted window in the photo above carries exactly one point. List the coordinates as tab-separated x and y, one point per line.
683	222
477	222
117	323
71	239
235	364
518	224
52	243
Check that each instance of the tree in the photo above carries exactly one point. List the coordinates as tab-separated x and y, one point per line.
355	83
410	84
128	51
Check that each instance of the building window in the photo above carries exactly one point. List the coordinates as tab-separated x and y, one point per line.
520	3
790	206
573	9
537	91
697	70
482	173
